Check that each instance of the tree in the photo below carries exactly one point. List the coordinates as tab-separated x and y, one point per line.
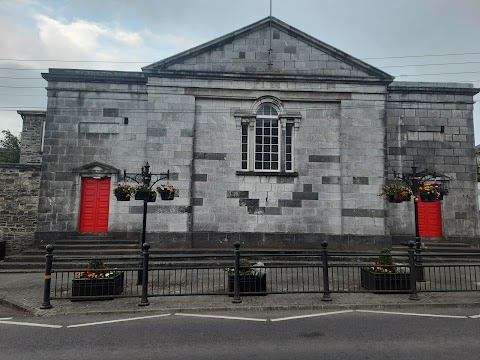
9	148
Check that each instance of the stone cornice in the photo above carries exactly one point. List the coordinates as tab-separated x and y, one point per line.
32	113
436	88
97	76
211	75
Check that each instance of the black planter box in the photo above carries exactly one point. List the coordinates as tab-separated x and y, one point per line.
249	284
372	280
149	195
167	195
98	287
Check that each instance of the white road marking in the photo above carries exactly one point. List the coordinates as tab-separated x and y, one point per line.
413	314
30	324
118	320
221	317
312	315
6	318
475	316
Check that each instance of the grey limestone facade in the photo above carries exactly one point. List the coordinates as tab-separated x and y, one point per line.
271	137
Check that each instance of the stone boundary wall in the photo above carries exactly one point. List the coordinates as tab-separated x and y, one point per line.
19	191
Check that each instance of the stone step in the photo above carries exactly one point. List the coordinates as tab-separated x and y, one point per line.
90	247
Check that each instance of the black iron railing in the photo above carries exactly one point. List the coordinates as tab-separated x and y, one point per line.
319	272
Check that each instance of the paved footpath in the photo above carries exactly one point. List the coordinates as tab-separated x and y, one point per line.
24	291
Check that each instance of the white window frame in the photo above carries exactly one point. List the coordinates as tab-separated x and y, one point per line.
246	123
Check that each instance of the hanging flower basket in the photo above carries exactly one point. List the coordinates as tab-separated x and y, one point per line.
429	193
123	192
396	193
167	192
149	195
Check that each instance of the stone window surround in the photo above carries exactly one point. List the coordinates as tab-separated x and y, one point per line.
286	118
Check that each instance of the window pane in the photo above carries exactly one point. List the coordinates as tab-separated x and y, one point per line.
275	148
274	123
266	148
244	139
274	139
266	123
258	156
258	165
266	110
275	131
244	165
289	166
244	156
266	140
274	157
258	139
289	157
266	165
289	148
258	131
274	166
244	130
244	148
266	131
258	148
266	157
288	140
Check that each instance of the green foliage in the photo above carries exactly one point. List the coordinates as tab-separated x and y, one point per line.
9	148
385	259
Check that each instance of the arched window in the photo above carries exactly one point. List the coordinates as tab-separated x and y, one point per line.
267	138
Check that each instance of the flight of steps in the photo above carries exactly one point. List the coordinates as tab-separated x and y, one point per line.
440	250
81	248
126	253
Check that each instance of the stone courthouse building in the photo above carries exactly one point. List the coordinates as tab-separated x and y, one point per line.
271	137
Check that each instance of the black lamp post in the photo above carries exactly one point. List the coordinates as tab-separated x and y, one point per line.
145	180
414	181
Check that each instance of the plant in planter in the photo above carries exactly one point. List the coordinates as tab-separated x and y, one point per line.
97	280
167	192
123	192
428	193
253	278
396	193
385	274
144	192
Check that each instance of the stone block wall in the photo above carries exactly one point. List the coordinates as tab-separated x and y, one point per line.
430	126
18	205
31	137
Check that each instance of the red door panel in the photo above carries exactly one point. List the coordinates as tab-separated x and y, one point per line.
95	205
430	218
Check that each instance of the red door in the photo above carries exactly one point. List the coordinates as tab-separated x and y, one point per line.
430	218
95	205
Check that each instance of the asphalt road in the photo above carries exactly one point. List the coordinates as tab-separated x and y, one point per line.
251	335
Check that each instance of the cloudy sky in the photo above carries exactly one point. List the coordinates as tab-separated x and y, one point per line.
414	40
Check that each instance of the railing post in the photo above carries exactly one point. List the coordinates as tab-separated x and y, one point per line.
145	258
236	275
48	277
326	284
413	271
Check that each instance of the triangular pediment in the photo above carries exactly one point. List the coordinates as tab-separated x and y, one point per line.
96	167
268	47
